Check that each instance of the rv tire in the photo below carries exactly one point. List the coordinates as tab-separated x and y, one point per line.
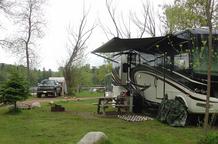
173	112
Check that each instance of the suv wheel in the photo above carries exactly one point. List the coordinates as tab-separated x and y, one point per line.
39	95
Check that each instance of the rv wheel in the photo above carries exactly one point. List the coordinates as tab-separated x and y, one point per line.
173	112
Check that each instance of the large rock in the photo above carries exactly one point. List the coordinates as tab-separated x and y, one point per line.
93	138
36	104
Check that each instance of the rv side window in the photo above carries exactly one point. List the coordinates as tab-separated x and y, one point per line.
181	61
159	61
147	59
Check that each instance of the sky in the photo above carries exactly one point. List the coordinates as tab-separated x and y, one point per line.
60	14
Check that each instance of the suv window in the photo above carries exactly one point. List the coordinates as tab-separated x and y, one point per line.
48	82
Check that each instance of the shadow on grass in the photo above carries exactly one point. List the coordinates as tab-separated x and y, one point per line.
107	142
13	111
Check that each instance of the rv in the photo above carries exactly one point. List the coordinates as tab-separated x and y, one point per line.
169	70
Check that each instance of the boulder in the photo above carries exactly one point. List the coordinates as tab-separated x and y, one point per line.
93	138
23	105
35	104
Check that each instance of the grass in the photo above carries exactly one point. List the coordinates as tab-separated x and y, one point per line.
40	126
89	94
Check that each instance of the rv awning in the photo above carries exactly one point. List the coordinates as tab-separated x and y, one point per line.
169	44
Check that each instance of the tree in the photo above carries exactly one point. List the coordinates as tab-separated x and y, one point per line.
15	89
209	8
186	14
5	8
29	17
102	71
145	22
76	46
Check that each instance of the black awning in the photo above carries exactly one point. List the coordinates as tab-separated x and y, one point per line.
153	45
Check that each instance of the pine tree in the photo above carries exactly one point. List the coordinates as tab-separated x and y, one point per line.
14	89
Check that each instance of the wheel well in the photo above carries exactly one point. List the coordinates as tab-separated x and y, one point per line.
181	99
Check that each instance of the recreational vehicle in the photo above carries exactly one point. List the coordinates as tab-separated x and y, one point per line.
169	69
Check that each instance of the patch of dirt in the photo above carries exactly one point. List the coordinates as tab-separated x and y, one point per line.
41	100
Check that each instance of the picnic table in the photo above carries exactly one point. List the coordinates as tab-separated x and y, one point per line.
116	102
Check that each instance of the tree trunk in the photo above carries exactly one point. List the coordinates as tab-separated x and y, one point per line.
28	40
209	18
15	106
27	62
208	83
67	76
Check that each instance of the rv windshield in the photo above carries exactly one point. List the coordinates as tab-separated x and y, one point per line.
200	55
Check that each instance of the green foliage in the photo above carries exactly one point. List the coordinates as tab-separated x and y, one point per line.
14	89
83	75
86	76
36	76
211	138
185	14
102	71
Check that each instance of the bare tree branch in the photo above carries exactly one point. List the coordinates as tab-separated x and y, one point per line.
127	31
76	47
111	12
6	5
147	23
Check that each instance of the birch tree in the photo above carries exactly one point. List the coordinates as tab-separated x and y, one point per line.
30	21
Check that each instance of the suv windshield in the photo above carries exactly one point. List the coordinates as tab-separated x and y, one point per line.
48	82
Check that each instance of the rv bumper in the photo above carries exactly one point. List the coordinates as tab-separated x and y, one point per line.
197	106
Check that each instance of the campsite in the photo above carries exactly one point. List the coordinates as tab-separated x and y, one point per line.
109	72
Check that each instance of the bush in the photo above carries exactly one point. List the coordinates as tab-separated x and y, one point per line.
209	139
14	89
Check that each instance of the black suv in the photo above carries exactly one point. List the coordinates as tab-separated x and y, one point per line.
49	88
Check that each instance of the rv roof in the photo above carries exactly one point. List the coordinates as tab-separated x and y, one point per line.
152	45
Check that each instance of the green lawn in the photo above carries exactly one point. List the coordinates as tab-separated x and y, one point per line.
40	126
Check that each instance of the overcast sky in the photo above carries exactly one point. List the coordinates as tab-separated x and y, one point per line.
62	13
